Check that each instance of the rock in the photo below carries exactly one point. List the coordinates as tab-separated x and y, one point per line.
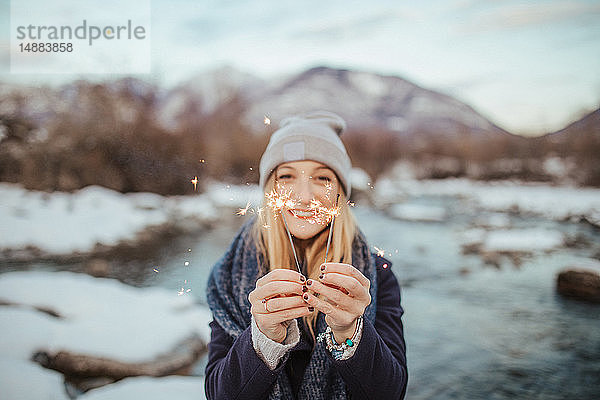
581	284
98	268
87	372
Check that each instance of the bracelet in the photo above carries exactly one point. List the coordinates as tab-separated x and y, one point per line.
337	349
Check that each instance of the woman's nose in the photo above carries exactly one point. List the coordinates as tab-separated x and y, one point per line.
304	191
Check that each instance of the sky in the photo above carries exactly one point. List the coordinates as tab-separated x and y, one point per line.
530	67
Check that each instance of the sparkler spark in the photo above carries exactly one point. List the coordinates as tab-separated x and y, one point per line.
155	270
380	252
183	289
243	211
195	182
277	200
267	120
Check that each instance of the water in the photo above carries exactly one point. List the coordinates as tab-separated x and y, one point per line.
472	331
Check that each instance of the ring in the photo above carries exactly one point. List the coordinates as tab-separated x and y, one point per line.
264	301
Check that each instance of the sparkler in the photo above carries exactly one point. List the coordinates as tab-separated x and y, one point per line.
195	182
292	244
277	200
331	227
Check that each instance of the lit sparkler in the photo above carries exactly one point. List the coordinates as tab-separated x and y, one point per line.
267	120
292	244
277	200
334	213
195	182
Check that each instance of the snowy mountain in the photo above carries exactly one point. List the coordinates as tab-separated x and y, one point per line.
588	125
204	93
367	100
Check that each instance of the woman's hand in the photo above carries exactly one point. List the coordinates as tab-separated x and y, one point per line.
276	300
343	297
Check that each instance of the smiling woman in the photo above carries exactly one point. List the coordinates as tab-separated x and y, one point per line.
331	329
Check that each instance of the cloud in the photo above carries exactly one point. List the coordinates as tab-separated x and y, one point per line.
511	16
350	26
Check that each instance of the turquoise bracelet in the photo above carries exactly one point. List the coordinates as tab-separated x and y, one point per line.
338	349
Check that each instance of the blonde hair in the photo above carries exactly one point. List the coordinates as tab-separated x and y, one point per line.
273	243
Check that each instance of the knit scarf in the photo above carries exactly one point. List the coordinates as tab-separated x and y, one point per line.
234	276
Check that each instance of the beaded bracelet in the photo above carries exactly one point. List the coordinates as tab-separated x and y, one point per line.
338	349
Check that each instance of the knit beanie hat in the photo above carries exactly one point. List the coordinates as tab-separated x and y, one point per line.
313	136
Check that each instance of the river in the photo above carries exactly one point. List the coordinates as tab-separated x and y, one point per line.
473	331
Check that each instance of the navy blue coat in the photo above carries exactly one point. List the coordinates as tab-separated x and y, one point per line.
377	370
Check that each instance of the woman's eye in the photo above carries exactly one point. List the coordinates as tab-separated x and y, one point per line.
284	176
324	178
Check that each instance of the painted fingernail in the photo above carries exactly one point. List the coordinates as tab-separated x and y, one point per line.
311	309
309	282
304	289
305	296
302	278
323	267
321	276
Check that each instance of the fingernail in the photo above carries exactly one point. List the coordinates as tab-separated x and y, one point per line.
311	309
309	282
305	296
323	267
321	276
304	289
302	278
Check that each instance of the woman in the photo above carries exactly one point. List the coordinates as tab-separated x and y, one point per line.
332	331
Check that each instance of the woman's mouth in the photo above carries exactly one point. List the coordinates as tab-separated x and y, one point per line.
302	214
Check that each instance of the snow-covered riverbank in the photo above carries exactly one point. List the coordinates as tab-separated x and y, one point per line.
552	202
426	237
60	224
96	317
45	225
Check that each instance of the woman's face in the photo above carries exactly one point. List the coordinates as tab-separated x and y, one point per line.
314	188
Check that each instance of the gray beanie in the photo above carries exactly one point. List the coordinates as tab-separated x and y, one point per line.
313	136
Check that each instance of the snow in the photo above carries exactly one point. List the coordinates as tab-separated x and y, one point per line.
24	380
522	240
418	212
146	388
100	317
369	84
493	220
225	195
63	223
553	202
359	179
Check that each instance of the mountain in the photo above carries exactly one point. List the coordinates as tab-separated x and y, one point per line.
203	94
588	125
367	100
